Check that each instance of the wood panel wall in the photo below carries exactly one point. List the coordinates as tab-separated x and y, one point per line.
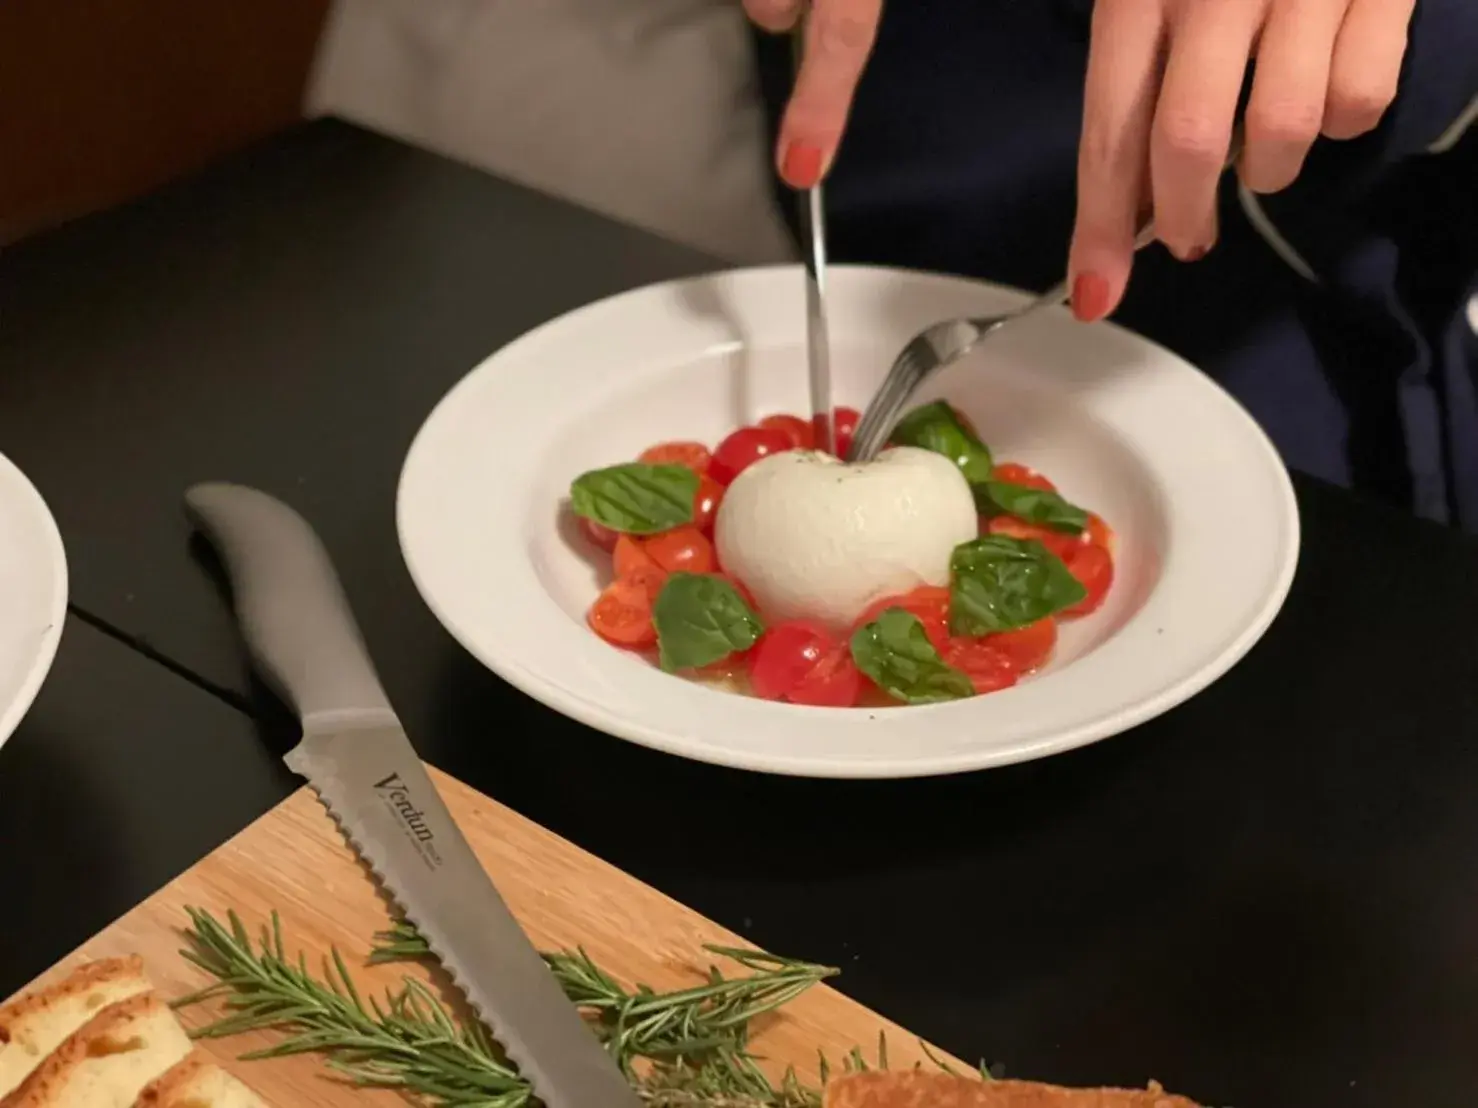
102	100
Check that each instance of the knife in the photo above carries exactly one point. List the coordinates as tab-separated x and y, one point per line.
812	214
303	640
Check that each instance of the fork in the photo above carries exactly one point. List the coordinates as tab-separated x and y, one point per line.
931	350
939	345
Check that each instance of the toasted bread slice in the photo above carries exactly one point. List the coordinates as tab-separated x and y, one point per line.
108	1060
33	1025
941	1090
197	1082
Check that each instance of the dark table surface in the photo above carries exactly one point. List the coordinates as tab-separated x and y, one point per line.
1267	898
122	775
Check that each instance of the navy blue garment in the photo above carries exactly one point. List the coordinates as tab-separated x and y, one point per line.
1336	311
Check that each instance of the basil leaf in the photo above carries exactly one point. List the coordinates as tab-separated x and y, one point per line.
936	427
998	583
635	498
701	619
1036	506
896	653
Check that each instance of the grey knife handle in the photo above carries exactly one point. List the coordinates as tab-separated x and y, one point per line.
291	607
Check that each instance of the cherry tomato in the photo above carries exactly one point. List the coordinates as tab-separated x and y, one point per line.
1059	542
801	434
803	663
681	549
1028	647
929	603
694	455
743	448
1093	566
598	533
622	614
705	503
1014	474
844	424
1100	533
833	682
989	669
631	554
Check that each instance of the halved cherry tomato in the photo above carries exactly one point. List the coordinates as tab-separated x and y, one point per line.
598	533
1027	647
833	682
802	435
1015	474
622	614
705	503
630	555
1100	533
681	549
844	424
929	603
1059	542
1093	566
694	455
989	669
803	663
743	448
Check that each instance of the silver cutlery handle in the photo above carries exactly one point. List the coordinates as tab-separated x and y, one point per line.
291	607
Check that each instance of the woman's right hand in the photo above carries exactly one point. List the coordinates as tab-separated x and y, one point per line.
1163	85
839	38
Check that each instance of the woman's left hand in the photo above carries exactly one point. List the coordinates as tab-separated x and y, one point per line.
1164	78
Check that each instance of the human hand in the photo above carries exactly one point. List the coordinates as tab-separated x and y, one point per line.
839	38
1164	77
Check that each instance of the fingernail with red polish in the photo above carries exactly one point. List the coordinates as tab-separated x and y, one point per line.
1090	297
801	167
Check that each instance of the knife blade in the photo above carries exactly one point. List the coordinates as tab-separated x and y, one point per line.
303	640
812	220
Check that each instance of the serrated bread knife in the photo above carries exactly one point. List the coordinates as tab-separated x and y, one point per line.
304	641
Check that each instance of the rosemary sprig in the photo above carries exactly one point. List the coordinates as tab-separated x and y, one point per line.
682	1024
408	1040
683	1048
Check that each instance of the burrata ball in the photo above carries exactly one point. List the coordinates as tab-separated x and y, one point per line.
816	538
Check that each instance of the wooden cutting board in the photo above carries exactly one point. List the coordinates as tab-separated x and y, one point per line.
293	860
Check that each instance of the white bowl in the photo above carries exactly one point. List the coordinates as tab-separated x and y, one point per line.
33	594
1202	505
